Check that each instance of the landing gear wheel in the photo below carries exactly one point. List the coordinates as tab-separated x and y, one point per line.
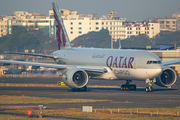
149	89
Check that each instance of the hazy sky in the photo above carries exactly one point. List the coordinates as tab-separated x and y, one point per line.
130	9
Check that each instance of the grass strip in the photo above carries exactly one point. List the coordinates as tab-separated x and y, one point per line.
6	99
14	117
74	112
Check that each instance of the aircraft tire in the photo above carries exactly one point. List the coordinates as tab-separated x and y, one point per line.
122	87
151	89
127	87
134	87
147	89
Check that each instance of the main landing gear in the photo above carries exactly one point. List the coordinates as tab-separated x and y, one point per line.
149	82
149	89
127	86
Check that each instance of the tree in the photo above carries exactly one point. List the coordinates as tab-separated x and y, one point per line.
22	39
100	39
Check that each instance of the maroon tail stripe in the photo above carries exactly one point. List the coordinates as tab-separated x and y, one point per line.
59	28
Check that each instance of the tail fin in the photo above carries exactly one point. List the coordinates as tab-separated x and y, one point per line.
62	37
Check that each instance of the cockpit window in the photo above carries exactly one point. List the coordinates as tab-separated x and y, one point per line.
159	62
153	62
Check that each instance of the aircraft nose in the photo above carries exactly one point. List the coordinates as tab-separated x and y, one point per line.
157	71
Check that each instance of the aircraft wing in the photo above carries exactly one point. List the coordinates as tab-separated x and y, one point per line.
88	69
37	64
170	62
32	54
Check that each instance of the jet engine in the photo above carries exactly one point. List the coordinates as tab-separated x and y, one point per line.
75	78
167	78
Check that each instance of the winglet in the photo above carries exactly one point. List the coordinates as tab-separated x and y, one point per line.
62	37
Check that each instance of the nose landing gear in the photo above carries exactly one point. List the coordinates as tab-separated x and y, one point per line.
149	82
149	89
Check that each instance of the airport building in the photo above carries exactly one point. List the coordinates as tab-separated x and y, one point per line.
169	55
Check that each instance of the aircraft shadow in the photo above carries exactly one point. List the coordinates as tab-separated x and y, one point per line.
88	89
138	89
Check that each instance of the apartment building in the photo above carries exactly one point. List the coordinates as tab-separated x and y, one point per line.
4	25
167	24
118	28
136	28
78	26
177	16
24	19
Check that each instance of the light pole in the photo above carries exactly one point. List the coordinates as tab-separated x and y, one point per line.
111	42
119	43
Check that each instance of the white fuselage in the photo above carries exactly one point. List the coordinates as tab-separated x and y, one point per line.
121	64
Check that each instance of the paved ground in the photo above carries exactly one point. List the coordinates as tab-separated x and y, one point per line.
161	97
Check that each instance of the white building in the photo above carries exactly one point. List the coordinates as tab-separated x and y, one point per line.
177	16
150	29
25	19
4	25
82	24
78	26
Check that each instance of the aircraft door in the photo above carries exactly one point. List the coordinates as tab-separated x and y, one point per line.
135	63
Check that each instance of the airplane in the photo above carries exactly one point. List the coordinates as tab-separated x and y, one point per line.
80	64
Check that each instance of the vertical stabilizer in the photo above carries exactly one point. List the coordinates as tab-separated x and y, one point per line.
62	37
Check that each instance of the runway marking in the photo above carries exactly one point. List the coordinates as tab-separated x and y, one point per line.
122	102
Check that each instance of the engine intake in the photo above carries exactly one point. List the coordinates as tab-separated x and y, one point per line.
79	78
167	78
75	78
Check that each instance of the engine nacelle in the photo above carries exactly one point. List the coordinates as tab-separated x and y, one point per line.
75	78
167	78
